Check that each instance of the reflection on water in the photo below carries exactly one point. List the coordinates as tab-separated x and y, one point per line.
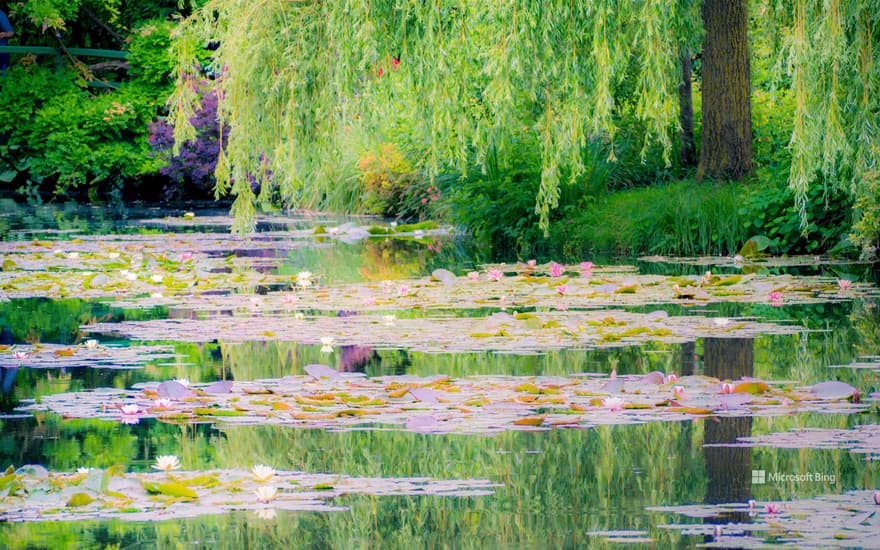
556	486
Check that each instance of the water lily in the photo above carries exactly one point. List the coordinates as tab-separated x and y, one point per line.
555	269
706	278
166	463
266	493
532	263
726	387
561	290
91	344
256	302
20	355
752	504
494	274
83	470
772	508
473	276
131	408
155	295
129	275
393	225
678	391
877	498
299	316
327	344
263	473
129	419
290	299
613	404
844	284
156	278
162	404
389	320
403	290
671	378
113	255
304	279
186	256
775	298
721	321
717	531
72	255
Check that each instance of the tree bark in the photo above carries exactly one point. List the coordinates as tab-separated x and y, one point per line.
687	153
726	142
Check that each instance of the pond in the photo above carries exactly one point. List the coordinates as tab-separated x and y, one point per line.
404	392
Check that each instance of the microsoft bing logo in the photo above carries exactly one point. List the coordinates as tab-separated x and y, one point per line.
759	477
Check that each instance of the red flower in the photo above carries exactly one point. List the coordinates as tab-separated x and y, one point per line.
394	62
381	71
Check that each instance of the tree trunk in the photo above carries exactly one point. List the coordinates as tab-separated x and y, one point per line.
687	154
726	143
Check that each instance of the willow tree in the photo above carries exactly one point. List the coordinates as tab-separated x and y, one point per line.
300	78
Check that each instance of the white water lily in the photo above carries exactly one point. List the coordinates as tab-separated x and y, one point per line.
304	278
389	320
721	321
613	403
131	276
91	344
113	255
263	473
327	344
162	404
266	493
166	463
82	470
130	409
156	278
299	316
72	255
155	295
182	381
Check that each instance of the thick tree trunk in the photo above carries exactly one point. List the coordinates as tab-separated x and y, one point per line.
687	154
726	143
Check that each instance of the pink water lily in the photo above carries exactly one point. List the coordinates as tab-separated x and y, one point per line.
20	355
130	409
403	290
162	404
671	378
772	508
532	263
561	290
473	276
555	269
844	284
727	387
775	298
678	391
494	274
877	498
186	256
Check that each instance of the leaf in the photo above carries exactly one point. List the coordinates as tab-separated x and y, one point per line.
221	386
171	489
318	371
755	387
425	395
172	389
207	411
530	420
834	390
80	499
447	277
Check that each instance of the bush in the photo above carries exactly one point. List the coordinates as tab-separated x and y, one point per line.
392	187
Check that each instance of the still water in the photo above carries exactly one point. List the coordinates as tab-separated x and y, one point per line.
562	488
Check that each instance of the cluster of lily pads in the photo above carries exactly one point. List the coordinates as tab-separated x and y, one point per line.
326	398
90	354
32	493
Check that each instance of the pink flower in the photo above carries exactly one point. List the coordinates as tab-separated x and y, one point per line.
473	276
162	404
494	274
772	508
752	504
671	378
424	200
186	256
402	290
613	404
775	298
532	263
678	391
395	62
381	71
726	388
877	498
555	269
130	409
20	355
129	419
844	284
561	290
290	299
586	267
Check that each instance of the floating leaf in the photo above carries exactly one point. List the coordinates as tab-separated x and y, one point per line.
171	489
172	389
221	386
80	499
530	420
318	372
834	390
754	387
